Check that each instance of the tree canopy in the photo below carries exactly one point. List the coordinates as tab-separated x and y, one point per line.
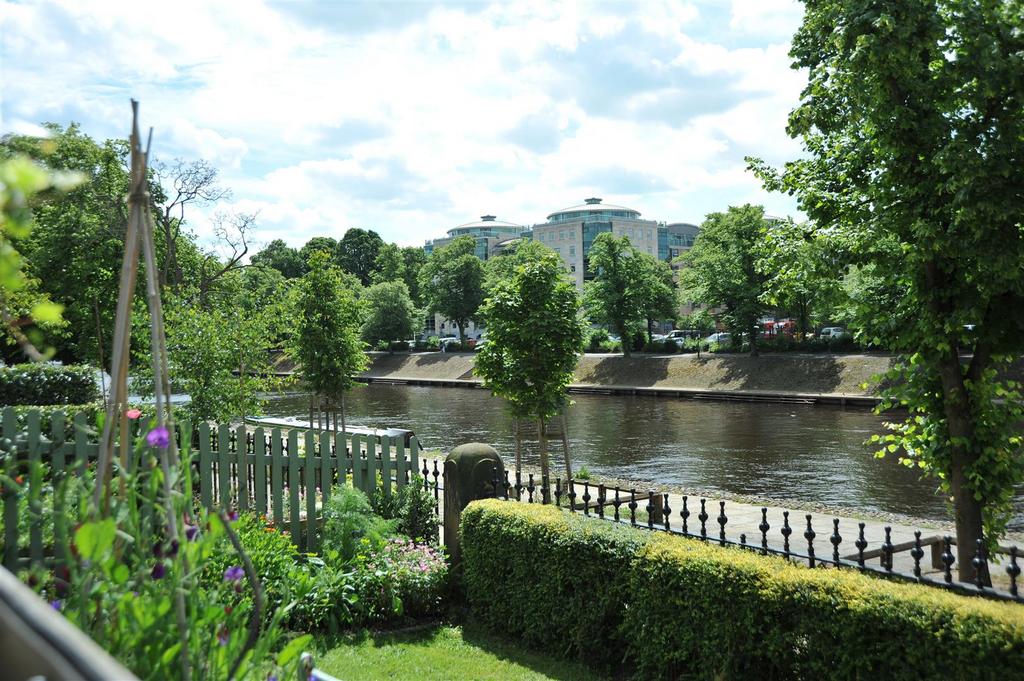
721	270
281	257
451	282
616	296
357	253
913	120
390	313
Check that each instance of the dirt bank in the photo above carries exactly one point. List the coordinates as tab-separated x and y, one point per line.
781	373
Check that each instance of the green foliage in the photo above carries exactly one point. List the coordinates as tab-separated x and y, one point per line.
280	256
451	282
594	339
325	598
413	258
357	253
913	166
534	336
389	264
390	314
657	290
326	343
348	518
26	311
503	267
399	578
571	602
219	358
317	244
272	553
722	268
617	295
667	607
48	384
412	509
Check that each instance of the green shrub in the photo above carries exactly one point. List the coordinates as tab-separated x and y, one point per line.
549	578
46	384
411	508
594	339
695	610
325	598
348	517
399	579
273	557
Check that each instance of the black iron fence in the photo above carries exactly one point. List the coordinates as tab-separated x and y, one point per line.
700	519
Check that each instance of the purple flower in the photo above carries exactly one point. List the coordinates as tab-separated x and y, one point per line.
159	570
56	605
233	574
158	437
233	516
222	636
190	532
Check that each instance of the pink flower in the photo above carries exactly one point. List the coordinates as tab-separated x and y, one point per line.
133	414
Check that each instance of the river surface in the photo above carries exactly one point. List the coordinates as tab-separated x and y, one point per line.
814	454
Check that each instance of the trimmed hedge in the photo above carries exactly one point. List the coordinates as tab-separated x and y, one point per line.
687	609
46	384
548	578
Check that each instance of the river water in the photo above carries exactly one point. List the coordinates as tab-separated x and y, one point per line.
814	454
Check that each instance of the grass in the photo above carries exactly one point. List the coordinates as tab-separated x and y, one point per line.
443	653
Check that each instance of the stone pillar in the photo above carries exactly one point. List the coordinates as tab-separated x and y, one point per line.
469	474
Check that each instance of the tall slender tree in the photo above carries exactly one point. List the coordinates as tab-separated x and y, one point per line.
534	339
615	296
326	344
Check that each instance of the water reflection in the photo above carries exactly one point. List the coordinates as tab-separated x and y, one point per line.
814	454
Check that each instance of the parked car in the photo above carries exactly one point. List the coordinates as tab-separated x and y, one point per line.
832	332
721	338
445	342
680	335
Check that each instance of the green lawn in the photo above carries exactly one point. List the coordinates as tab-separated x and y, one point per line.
444	653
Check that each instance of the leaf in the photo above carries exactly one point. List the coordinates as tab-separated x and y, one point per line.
47	312
170	654
95	539
121	574
291	650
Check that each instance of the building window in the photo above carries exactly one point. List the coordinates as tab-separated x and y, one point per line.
572	250
561	236
572	267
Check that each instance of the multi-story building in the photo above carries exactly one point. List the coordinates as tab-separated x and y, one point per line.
492	237
489	232
570	232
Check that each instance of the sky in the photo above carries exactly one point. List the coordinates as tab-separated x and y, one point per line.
410	118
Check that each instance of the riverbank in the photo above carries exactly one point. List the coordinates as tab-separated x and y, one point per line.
786	377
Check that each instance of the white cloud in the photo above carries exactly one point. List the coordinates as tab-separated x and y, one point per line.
413	128
776	18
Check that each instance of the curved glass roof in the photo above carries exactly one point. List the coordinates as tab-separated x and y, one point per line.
593	206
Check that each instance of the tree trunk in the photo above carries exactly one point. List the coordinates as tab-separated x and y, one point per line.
650	333
565	447
545	467
752	330
343	411
519	446
626	341
966	509
462	334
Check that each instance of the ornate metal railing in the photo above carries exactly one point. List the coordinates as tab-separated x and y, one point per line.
650	510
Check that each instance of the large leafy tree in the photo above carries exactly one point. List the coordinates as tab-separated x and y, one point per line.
721	270
389	265
357	253
615	296
318	243
414	258
390	313
913	122
503	267
802	273
326	344
534	339
451	282
281	257
657	292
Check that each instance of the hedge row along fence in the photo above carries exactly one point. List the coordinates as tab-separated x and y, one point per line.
654	605
48	384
